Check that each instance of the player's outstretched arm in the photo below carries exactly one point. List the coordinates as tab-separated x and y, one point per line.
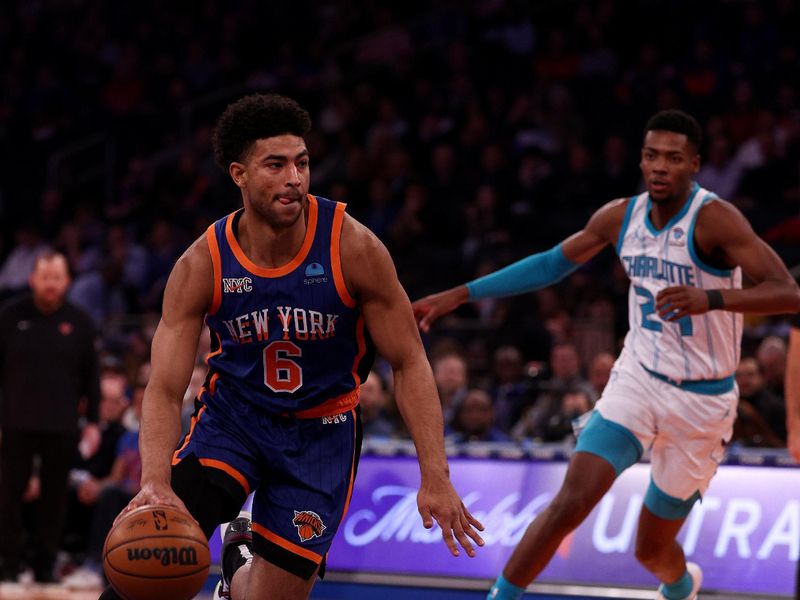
186	299
370	273
723	232
531	273
792	388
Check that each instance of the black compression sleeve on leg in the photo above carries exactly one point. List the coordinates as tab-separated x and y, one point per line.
211	496
235	558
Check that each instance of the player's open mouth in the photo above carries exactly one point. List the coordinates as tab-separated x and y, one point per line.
286	200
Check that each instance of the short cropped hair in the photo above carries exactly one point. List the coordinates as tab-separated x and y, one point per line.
252	118
677	121
48	256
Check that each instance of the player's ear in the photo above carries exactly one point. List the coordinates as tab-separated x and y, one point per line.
696	163
238	173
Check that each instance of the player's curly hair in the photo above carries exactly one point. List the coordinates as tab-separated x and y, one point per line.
255	117
677	121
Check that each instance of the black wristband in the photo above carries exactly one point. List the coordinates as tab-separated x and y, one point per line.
715	301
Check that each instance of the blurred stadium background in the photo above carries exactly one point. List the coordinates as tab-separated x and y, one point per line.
464	134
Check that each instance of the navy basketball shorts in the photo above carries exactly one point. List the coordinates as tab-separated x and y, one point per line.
301	470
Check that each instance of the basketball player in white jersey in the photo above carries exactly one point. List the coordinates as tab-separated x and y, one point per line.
672	388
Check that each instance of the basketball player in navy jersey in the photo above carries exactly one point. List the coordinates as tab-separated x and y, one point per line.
672	388
295	292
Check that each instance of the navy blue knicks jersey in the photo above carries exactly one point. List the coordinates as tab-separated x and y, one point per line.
289	339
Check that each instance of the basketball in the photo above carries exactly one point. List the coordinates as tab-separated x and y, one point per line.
156	552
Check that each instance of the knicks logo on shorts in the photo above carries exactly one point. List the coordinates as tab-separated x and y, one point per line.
308	524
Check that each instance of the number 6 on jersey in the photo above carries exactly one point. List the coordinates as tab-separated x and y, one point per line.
282	374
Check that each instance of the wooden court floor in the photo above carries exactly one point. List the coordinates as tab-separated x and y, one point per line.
17	591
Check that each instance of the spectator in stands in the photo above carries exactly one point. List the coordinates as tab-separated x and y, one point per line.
450	374
754	391
599	372
18	265
164	243
565	376
111	497
761	416
104	293
559	426
512	390
473	420
565	369
721	171
619	173
87	477
771	355
373	401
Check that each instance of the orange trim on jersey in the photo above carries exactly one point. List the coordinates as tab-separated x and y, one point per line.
195	419
218	350
216	263
334	406
362	348
212	383
286	544
248	264
218	464
336	258
352	467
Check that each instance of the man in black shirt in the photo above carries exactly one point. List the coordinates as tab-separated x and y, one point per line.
48	364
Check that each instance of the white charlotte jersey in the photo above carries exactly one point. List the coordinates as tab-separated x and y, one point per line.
698	347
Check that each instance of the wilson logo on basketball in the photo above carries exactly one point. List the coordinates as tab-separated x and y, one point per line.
168	555
308	524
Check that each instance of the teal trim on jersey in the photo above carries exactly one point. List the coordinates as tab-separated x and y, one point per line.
665	506
693	251
709	387
625	221
531	273
610	441
677	217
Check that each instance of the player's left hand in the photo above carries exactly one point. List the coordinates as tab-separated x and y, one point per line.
439	500
674	303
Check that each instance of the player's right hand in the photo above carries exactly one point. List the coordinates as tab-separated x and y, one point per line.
155	493
438	500
430	308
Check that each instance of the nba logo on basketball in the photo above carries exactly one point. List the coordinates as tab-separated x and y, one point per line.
308	524
160	520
